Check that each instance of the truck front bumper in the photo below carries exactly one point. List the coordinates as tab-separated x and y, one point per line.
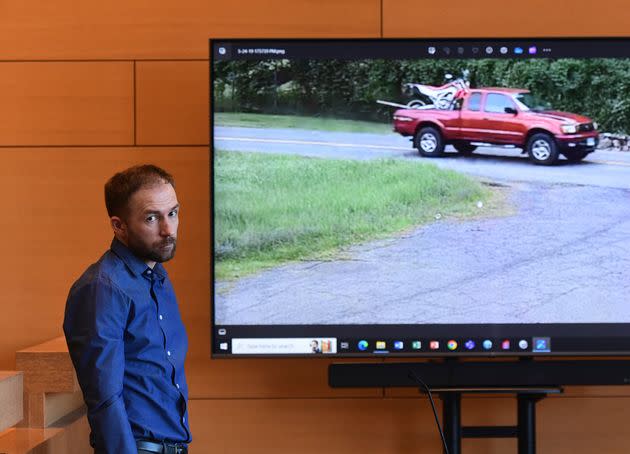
578	143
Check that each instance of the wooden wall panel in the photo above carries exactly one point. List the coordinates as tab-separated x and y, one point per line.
172	102
66	103
162	29
56	221
392	426
581	425
492	18
265	378
315	426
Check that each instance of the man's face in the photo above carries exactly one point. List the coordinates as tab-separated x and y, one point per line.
150	227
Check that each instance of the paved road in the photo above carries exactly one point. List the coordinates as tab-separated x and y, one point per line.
601	168
563	257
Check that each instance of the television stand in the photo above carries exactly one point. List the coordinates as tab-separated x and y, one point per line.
530	380
525	430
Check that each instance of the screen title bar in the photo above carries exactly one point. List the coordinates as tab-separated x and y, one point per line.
352	49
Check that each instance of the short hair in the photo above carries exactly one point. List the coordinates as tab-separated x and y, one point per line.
120	187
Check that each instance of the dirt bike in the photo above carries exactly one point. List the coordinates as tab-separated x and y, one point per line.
440	97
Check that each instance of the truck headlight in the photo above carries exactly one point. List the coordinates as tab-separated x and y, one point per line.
569	129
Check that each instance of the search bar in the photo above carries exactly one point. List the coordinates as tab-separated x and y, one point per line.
284	346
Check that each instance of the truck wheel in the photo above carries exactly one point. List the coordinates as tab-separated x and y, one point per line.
429	142
464	148
575	156
542	149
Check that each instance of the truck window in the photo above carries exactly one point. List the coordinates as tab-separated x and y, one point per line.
497	103
474	102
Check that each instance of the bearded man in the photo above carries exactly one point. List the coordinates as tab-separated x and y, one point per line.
122	323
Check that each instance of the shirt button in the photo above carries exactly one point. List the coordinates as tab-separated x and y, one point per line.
168	352
183	419
177	385
149	271
161	318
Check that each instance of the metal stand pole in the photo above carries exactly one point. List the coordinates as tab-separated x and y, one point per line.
452	408
527	422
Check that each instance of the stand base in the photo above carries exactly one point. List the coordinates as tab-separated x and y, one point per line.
525	430
528	379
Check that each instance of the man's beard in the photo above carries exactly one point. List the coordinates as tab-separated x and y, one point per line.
157	252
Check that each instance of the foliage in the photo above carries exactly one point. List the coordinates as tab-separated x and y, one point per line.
598	88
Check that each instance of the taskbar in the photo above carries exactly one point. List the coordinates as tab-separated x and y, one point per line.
374	346
598	339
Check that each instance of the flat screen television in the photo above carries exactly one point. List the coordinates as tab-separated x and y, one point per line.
408	197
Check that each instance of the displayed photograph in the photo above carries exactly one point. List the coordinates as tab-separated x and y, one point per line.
434	191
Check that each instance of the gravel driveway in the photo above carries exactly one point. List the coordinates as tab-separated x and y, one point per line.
563	257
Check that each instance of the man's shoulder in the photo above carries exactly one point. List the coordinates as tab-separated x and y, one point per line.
106	271
97	294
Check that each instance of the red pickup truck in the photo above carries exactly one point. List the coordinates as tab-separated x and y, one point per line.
499	116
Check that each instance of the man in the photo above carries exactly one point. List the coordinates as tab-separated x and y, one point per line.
122	324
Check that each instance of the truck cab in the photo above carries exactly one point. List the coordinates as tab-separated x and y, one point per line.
499	117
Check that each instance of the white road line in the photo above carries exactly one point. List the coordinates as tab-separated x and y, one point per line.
611	163
308	142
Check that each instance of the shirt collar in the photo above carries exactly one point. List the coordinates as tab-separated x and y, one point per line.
134	264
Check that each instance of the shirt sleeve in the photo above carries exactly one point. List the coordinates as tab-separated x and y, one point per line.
94	324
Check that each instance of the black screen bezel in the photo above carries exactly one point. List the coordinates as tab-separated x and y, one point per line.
563	335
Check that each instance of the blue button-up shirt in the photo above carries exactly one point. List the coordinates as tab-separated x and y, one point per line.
128	345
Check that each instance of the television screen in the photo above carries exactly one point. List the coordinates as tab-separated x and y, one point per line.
446	197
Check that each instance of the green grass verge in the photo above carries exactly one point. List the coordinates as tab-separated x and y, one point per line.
250	120
271	209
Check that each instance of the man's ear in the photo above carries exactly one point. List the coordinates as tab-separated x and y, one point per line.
118	226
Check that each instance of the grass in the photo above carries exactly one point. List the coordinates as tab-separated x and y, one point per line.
250	120
272	209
